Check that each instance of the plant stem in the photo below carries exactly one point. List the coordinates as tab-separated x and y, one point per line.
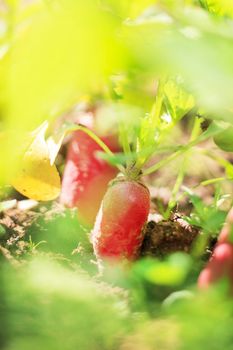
157	106
90	133
207	134
203	183
212	181
178	183
105	148
154	122
200	244
163	162
180	178
56	141
125	144
220	160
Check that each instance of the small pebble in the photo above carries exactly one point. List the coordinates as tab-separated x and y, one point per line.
27	204
8	205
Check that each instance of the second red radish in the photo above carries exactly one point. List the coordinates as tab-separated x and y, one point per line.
221	263
86	176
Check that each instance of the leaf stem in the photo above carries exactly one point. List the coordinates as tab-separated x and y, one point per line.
157	106
211	131
181	174
125	144
90	133
203	183
163	162
154	123
69	127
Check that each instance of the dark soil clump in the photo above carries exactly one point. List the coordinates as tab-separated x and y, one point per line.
167	237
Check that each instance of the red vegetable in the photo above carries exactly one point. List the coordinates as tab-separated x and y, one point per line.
118	228
86	176
221	262
220	265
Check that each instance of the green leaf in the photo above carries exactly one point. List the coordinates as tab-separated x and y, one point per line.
117	158
208	217
219	7
224	140
170	272
177	100
207	40
171	104
225	164
2	230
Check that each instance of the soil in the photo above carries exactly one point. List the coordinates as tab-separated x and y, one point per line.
166	237
14	224
161	237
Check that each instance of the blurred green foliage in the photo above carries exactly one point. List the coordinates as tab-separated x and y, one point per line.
58	309
210	218
48	305
53	53
170	272
61	234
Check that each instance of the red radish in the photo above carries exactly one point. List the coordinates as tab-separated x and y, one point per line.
220	265
226	230
221	262
86	176
118	230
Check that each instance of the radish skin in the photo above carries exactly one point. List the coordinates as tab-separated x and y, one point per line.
86	176
221	263
118	230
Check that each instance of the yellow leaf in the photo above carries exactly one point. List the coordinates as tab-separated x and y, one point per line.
36	178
